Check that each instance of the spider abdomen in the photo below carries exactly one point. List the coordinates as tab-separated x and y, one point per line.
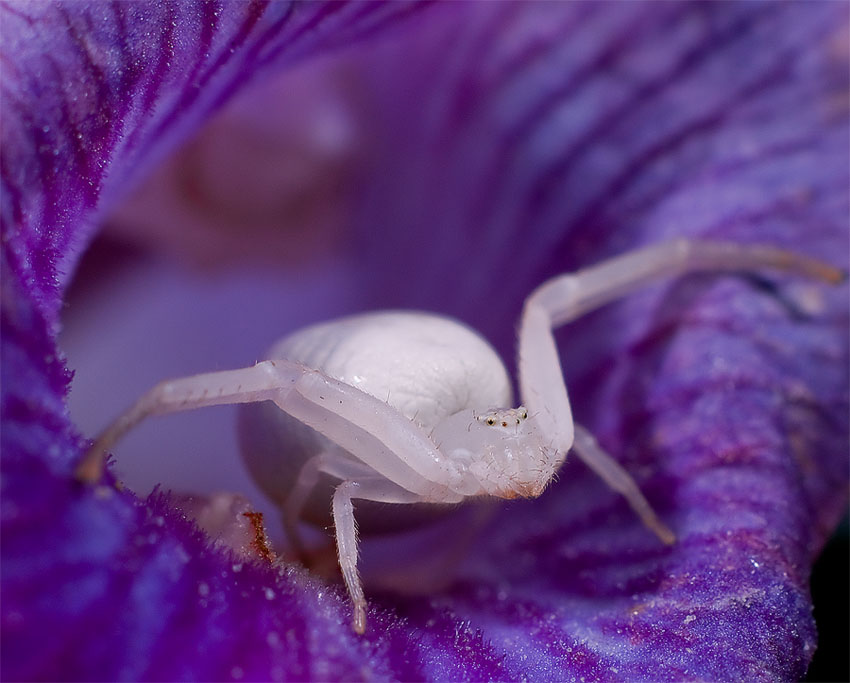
426	366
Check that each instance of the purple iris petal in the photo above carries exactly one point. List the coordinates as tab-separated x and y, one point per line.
510	142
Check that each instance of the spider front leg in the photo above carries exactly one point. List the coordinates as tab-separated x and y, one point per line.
375	433
266	380
567	297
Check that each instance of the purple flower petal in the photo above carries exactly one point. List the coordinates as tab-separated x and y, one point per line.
516	141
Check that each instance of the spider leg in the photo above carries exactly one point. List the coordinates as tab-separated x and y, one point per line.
334	464
612	473
374	433
377	489
247	385
566	297
369	429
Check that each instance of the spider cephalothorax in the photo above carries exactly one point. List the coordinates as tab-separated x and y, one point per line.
498	452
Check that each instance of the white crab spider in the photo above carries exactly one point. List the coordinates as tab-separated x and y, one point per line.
404	407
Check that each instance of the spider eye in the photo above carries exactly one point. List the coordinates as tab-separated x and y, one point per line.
524	414
491	421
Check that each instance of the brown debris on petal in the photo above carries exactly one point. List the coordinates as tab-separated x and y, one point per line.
260	544
230	521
